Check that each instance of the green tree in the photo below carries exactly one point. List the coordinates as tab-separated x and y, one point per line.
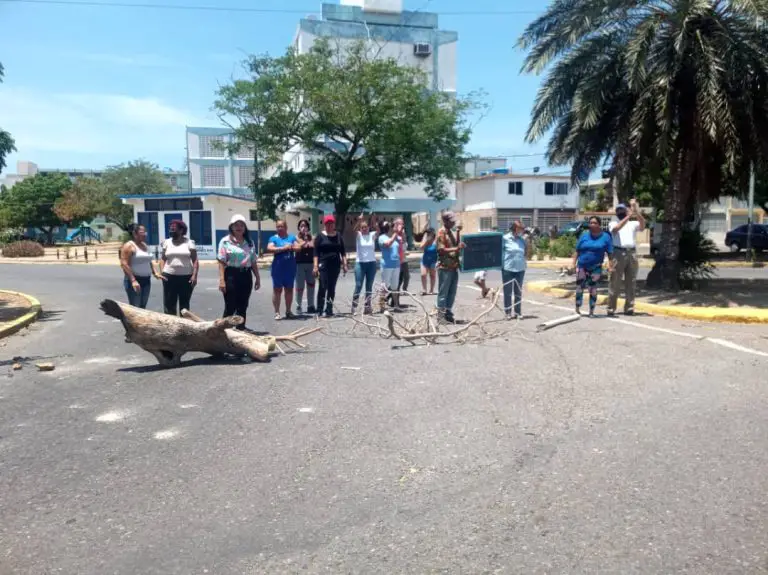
368	126
7	145
137	178
86	199
30	203
645	83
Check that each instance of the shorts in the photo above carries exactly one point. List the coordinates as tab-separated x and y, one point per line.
480	276
429	263
283	275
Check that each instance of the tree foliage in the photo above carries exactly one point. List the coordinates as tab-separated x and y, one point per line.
136	178
367	126
86	199
7	145
30	203
635	83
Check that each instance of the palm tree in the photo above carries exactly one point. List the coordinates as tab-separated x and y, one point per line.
637	83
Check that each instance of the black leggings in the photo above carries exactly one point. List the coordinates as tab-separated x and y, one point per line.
326	291
239	284
177	292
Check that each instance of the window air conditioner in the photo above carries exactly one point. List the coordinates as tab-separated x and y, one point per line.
422	49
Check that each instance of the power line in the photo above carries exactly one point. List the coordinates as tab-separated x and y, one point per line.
192	7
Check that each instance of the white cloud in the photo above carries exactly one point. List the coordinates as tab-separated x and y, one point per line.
125	126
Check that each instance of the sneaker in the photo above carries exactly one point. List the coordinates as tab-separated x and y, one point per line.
298	310
289	315
611	313
591	313
578	310
278	317
629	312
311	310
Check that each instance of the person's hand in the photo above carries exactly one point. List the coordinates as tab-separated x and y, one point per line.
459	228
222	286
193	280
135	285
316	272
161	277
256	283
462	245
344	269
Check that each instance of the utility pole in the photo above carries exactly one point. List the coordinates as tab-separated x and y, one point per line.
257	197
751	208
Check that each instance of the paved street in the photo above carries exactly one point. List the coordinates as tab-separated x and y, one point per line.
604	445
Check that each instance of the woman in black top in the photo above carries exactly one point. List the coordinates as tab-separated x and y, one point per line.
305	264
330	259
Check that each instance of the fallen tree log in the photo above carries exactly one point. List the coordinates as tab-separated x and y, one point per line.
168	337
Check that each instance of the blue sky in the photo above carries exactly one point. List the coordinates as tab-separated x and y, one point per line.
90	86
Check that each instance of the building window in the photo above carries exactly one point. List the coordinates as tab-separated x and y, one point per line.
173	181
556	188
213	176
173	205
515	188
245	175
246	152
486	224
149	221
212	147
200	228
253	215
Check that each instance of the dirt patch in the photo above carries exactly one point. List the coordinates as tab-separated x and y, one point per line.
722	293
12	307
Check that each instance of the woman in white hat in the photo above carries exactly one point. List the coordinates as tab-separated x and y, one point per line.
238	260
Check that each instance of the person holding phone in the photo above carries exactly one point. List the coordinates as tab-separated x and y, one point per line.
238	260
624	260
283	246
305	264
330	259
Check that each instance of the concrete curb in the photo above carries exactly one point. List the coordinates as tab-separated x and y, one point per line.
555	265
28	318
712	314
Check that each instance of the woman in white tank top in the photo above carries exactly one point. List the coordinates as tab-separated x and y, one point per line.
138	268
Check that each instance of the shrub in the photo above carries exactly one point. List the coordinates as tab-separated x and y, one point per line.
696	253
563	247
24	249
543	243
9	236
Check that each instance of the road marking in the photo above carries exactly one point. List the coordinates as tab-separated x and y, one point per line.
306	410
113	416
167	434
737	347
714	340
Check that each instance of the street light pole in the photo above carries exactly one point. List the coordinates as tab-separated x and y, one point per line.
257	197
751	208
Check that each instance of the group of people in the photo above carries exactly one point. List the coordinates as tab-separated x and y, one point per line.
300	261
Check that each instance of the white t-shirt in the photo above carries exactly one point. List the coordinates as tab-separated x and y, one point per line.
625	237
366	247
178	259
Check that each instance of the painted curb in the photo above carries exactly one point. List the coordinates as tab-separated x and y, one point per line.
25	320
711	314
557	266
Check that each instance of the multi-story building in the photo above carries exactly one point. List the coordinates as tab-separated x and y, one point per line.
213	167
497	199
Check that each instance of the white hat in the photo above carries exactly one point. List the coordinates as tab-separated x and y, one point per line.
237	218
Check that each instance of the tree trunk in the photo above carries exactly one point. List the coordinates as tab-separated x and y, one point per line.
48	235
168	337
666	271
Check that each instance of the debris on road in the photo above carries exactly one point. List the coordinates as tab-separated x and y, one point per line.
351	368
45	366
559	321
16	366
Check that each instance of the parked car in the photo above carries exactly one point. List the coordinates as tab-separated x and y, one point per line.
736	239
574	228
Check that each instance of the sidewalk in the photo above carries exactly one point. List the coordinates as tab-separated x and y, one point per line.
17	311
725	301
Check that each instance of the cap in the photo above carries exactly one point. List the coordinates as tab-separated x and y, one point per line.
449	216
237	218
329	219
621	207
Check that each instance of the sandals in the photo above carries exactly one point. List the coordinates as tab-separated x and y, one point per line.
278	317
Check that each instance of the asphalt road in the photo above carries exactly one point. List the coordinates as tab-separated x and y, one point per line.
611	446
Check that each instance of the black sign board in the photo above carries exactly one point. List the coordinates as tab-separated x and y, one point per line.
482	252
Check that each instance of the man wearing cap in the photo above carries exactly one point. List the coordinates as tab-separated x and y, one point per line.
625	264
449	246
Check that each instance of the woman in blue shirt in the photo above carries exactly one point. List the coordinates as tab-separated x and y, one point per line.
284	247
429	261
513	269
591	248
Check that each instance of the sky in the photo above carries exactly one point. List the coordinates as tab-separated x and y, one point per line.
95	85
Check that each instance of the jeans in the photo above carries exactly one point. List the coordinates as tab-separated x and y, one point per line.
326	292
138	299
304	276
625	268
364	271
448	282
239	284
513	285
177	292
